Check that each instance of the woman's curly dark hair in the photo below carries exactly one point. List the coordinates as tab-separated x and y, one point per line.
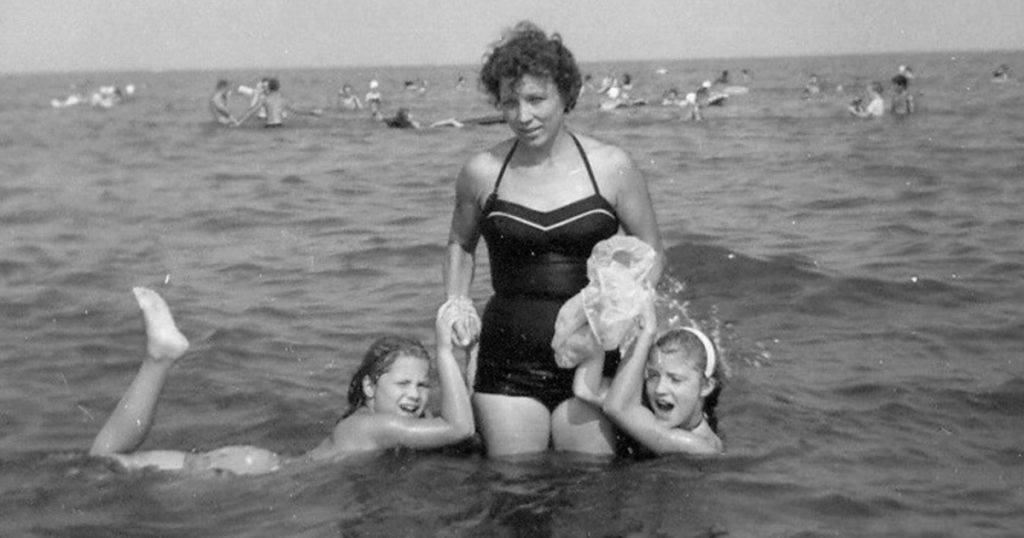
527	50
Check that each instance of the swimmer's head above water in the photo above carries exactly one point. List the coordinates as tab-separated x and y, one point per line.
682	378
392	378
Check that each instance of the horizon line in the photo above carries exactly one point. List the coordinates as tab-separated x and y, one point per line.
436	65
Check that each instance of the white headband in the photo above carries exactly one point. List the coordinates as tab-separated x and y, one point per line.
709	349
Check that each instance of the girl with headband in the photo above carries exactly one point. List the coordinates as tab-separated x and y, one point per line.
664	393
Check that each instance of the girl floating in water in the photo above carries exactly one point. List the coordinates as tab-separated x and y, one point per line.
348	100
663	396
387	402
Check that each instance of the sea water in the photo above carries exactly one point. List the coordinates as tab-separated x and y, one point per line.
864	278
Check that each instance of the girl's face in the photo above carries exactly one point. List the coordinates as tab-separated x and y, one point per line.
675	389
533	109
403	389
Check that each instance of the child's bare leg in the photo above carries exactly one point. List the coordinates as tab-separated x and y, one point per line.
130	421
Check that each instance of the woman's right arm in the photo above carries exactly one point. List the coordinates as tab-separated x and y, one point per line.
463	235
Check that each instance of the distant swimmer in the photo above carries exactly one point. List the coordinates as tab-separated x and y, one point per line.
102	97
71	100
1001	74
403	119
588	85
106	97
262	102
627	82
256	93
706	97
419	85
723	78
613	96
617	95
693	108
903	101
275	106
813	86
875	107
219	103
348	100
373	99
671	98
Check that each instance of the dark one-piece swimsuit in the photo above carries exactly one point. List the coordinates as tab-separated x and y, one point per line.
538	261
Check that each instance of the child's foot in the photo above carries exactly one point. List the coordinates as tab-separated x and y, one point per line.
164	340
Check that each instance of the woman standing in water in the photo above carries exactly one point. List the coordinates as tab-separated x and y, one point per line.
541	200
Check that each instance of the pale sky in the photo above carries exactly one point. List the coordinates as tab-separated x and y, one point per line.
107	35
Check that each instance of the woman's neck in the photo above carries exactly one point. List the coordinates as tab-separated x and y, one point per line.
531	156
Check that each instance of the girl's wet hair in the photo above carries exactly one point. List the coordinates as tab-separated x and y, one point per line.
527	50
378	359
685	340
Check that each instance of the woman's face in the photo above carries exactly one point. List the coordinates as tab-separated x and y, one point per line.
403	389
533	108
675	389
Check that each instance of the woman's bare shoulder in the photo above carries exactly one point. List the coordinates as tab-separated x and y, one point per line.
487	161
604	154
480	172
613	167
